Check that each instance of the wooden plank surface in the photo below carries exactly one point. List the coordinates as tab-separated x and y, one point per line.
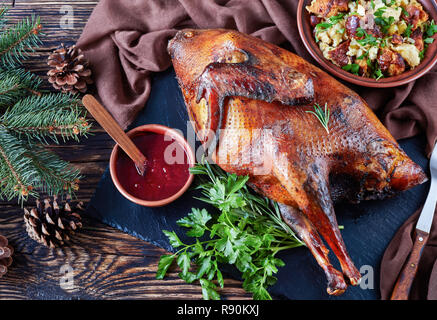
105	263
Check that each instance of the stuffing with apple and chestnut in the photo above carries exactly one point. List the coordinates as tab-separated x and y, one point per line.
375	38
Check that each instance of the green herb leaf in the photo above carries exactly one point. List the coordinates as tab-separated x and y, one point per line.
355	68
384	22
184	262
429	40
261	294
235	183
220	280
209	290
175	242
431	29
378	74
188	277
329	23
368	39
347	67
405	12
389	3
378	13
247	231
408	31
369	63
164	263
352	67
337	18
205	266
196	221
341	31
364	55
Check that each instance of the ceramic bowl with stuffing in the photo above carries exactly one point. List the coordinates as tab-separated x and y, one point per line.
373	43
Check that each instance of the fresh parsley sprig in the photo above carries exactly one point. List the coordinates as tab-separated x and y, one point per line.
367	38
374	70
429	29
353	67
247	232
328	23
407	33
377	74
384	22
389	3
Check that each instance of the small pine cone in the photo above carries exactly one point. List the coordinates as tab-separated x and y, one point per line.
50	224
6	252
70	72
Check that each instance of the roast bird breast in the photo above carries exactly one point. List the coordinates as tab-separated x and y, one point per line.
255	97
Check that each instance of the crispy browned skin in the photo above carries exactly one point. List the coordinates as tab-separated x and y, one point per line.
241	84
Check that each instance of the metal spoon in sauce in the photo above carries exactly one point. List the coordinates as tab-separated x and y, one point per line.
108	123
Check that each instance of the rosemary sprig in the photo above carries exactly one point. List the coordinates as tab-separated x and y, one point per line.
321	115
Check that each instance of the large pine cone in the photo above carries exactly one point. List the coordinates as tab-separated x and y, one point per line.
5	255
70	71
50	224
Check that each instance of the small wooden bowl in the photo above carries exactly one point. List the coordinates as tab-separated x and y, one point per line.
159	129
306	33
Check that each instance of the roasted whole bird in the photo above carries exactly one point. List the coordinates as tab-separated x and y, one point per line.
255	96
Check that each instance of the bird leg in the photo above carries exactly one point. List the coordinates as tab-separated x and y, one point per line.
306	231
320	211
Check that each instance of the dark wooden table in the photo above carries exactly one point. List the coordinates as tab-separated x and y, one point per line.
105	263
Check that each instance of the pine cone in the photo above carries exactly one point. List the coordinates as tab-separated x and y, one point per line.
6	252
70	71
51	225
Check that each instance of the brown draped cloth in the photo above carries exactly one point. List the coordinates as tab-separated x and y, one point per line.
126	41
396	254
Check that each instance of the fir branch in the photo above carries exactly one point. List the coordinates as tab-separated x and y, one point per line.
18	40
26	168
16	84
46	116
29	118
55	176
16	170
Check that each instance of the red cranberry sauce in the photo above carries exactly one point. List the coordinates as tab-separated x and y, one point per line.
166	172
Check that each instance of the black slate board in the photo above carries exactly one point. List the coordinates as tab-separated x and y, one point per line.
368	227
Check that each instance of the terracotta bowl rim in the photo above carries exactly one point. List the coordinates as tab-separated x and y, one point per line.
429	61
160	129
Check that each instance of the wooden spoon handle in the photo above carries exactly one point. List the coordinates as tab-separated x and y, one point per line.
108	123
403	284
